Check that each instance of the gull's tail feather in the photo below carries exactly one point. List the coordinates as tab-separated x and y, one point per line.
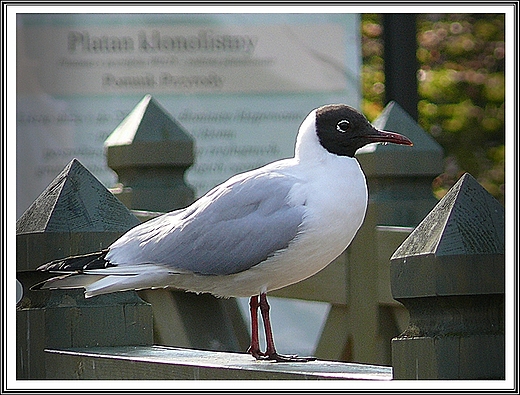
94	284
158	278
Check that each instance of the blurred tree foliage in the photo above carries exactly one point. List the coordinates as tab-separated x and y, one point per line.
461	91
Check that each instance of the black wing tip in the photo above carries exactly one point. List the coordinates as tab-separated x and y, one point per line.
77	263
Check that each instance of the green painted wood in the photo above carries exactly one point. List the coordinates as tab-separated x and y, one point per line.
467	221
326	286
363	299
335	342
387	239
119	319
166	363
75	214
450	275
185	319
400	177
30	343
150	151
478	357
457	249
75	201
424	158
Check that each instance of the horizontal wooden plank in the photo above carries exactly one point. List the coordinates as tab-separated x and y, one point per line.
158	362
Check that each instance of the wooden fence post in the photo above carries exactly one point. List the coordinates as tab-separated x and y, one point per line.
150	151
450	273
400	178
75	214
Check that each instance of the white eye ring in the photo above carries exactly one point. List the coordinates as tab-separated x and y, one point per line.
343	126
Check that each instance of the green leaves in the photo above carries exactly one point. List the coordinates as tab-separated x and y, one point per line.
461	89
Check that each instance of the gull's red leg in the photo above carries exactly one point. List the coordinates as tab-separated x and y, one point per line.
264	310
254	348
271	353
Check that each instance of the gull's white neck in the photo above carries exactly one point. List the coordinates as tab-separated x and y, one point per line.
308	146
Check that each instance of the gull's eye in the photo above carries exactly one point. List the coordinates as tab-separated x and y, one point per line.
343	126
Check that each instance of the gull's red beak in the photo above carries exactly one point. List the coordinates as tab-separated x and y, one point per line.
383	136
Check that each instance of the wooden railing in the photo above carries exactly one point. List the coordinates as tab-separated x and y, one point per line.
60	334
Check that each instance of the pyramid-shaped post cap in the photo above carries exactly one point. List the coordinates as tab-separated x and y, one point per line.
149	136
74	215
424	158
459	247
75	201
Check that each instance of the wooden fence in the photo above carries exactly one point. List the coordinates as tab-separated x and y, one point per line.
448	273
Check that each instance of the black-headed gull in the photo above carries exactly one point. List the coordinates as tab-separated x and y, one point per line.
256	232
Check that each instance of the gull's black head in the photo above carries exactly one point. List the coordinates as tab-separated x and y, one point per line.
342	130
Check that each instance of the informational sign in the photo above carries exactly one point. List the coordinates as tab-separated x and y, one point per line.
240	84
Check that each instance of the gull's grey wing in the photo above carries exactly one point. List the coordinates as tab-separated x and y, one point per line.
232	228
